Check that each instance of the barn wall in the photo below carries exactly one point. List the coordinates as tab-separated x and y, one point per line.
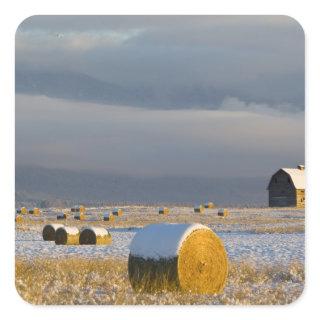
281	191
300	198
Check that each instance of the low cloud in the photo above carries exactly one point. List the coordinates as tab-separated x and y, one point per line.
57	133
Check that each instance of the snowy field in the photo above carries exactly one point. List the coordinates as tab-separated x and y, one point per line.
261	238
258	248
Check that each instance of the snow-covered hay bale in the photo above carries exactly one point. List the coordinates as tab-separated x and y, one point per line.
108	216
49	231
18	218
209	205
223	212
95	235
199	208
183	257
164	210
67	235
61	216
117	212
35	211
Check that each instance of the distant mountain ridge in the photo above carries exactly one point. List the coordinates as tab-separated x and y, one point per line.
58	187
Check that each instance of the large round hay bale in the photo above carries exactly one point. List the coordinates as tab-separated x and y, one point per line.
199	208
95	235
61	216
108	216
184	257
67	235
23	210
117	212
49	231
223	212
209	205
164	210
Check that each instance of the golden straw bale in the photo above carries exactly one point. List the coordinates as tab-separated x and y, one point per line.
223	212
61	216
108	216
79	216
23	210
67	235
117	212
164	210
199	209
18	218
209	205
177	257
95	235
35	211
49	231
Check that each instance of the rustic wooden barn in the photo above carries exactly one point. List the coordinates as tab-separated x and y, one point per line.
287	188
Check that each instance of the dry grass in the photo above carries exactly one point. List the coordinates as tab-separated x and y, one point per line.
80	281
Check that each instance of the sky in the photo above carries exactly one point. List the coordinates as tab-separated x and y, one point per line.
206	96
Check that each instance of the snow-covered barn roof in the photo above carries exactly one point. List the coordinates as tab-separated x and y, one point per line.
297	177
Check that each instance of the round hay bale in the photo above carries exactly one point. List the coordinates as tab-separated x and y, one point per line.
209	205
23	210
95	235
61	216
177	257
108	216
67	235
79	216
223	212
164	210
49	231
35	211
117	212
18	219
199	208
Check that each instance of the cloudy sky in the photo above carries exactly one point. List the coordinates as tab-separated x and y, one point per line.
150	95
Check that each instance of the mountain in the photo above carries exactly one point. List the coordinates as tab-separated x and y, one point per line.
57	187
81	87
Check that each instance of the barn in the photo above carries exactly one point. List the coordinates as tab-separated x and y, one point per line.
287	188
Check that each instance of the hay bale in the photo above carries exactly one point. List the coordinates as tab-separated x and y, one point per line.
164	210
79	216
108	216
223	212
18	218
209	205
117	212
49	231
23	210
61	216
95	235
67	235
35	211
183	257
199	208
80	208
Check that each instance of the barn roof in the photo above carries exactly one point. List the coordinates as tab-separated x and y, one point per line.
297	177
